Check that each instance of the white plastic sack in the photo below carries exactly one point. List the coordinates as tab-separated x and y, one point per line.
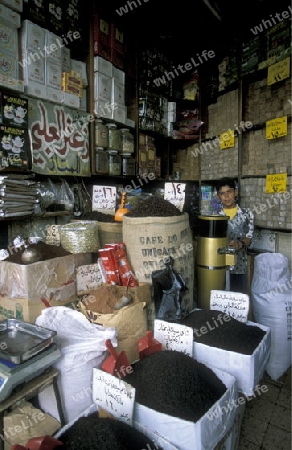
82	346
271	294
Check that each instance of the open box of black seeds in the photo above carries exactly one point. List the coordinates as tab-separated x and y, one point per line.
186	402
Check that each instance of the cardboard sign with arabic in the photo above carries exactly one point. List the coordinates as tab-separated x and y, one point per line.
235	304
174	336
59	139
113	395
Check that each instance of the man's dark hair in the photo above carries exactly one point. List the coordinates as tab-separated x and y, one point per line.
226	181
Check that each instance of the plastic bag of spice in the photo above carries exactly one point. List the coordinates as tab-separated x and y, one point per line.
168	288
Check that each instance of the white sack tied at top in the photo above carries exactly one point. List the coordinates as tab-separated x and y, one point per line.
271	294
82	346
79	340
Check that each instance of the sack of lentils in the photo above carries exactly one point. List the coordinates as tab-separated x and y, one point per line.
104	433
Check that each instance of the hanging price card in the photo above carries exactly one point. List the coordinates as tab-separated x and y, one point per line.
276	182
279	71
175	194
227	139
104	199
174	336
235	304
113	395
276	128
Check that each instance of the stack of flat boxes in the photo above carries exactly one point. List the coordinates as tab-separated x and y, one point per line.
9	24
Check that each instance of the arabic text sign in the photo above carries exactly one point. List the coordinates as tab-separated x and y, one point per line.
113	395
227	139
235	304
59	139
279	71
276	128
88	278
175	194
174	336
104	198
276	182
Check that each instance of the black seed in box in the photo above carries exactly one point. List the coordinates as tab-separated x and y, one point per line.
96	433
214	328
173	383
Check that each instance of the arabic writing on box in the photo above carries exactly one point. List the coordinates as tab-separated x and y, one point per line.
235	304
113	395
174	336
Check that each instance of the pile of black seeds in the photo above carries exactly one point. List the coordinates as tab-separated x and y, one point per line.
212	328
97	433
154	206
173	383
97	215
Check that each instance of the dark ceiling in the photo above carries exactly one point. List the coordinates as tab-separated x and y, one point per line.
188	26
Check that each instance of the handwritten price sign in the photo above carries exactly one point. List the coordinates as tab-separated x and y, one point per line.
174	336
104	199
276	182
276	128
175	194
227	140
113	395
279	71
235	304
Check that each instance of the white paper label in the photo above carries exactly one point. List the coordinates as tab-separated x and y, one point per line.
175	194
235	304
113	395
104	199
174	336
88	278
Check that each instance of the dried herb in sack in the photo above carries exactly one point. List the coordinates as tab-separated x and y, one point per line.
168	292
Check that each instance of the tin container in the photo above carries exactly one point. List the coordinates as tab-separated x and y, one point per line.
22	340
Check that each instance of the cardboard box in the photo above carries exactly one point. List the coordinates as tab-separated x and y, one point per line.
16	5
53	279
247	369
103	66
102	87
27	310
9	37
32	37
36	89
9	16
101	36
186	435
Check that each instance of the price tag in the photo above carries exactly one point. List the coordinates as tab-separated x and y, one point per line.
104	199
227	139
3	254
113	395
276	182
88	278
174	336
276	128
235	304
279	71
175	194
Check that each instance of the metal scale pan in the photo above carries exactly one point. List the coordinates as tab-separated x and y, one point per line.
19	340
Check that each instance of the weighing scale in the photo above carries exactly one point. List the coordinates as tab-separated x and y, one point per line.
12	374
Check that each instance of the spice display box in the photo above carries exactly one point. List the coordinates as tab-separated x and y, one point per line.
247	369
186	435
51	279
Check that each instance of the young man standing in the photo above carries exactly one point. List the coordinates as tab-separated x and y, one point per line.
239	231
